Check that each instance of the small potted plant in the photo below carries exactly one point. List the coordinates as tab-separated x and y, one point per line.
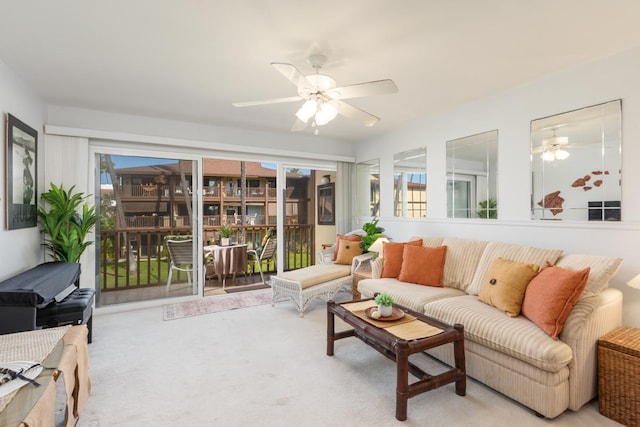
385	304
225	233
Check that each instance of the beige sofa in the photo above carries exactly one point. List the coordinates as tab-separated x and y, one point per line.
512	354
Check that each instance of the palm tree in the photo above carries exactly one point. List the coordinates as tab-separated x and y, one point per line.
121	222
184	187
243	197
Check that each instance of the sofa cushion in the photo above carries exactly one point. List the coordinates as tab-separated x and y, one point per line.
423	265
551	295
392	260
603	268
428	241
511	252
505	284
408	295
347	250
463	257
514	336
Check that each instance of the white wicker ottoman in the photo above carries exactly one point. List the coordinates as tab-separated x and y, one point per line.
301	286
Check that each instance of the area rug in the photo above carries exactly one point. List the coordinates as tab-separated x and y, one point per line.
216	304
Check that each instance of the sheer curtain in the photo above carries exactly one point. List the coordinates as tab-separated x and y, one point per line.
345	184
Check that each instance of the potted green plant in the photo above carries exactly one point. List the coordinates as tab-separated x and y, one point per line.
373	232
488	209
225	232
385	304
66	221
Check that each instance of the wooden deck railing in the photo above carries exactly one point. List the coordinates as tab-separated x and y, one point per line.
135	258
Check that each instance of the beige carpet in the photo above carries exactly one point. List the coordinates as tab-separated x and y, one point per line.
266	366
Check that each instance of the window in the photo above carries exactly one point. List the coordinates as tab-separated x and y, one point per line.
368	187
410	183
472	164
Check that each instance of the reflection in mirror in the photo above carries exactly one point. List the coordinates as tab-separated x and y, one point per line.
410	183
472	176
576	164
368	187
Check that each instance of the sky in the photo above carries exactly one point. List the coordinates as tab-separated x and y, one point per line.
133	161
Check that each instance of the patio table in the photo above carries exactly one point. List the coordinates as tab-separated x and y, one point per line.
228	260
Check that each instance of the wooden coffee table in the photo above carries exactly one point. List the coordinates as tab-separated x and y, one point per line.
399	350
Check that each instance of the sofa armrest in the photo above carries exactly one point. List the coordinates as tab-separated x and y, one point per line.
590	319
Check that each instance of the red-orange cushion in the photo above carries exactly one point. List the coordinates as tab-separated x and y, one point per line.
551	295
423	265
351	238
392	260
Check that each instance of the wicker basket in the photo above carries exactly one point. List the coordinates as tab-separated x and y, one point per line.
619	375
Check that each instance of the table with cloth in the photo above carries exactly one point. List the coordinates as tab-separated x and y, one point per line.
64	354
228	260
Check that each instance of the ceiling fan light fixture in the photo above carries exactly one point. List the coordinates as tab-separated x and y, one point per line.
555	141
562	154
307	110
548	156
326	113
321	82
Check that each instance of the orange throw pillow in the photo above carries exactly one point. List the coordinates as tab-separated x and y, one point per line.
392	260
423	265
351	238
346	251
551	295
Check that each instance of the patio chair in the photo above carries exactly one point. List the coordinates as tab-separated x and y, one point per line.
268	253
181	258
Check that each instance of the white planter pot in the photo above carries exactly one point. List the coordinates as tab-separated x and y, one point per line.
225	241
385	310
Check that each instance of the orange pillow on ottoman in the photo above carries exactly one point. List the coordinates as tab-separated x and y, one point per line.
350	238
392	259
423	265
346	251
551	295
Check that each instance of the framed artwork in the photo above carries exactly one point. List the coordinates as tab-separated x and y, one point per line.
326	204
21	189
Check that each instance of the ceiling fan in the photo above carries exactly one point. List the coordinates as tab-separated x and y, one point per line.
553	147
323	100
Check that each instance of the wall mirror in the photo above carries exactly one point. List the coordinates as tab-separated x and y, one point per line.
410	183
472	176
368	187
576	164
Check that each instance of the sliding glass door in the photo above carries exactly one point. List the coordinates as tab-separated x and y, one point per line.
143	203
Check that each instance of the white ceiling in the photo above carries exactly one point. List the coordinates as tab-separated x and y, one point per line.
189	60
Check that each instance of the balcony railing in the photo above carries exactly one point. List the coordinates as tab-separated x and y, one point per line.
163	192
136	258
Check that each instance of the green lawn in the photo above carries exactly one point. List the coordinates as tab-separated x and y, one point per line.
154	272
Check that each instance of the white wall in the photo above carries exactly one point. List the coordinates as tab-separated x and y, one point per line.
19	249
215	137
511	112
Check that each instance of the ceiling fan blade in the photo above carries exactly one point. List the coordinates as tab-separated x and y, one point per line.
292	74
298	126
378	87
354	113
266	101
